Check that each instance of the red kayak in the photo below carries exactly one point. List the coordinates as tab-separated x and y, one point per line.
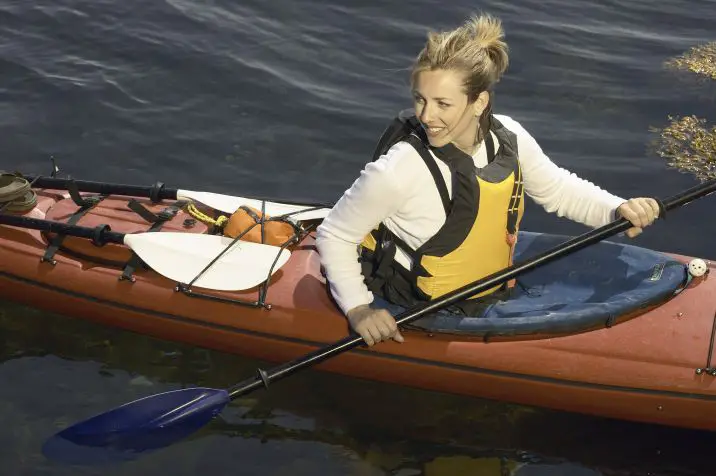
613	330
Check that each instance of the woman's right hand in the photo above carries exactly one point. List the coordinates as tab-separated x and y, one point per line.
373	325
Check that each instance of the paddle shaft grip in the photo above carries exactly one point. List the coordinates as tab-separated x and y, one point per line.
99	235
488	282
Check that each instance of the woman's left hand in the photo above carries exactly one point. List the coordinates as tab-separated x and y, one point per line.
641	212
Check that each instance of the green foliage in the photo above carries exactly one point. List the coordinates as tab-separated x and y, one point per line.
688	143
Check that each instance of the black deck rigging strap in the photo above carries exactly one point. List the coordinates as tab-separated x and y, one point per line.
157	222
85	204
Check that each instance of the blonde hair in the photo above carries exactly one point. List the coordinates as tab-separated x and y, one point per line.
476	49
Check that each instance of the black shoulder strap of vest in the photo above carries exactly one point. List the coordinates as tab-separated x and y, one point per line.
434	170
401	127
490	145
406	127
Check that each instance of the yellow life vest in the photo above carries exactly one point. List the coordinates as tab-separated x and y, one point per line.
480	230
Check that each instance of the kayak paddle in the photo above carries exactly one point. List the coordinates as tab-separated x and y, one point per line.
181	257
162	419
217	201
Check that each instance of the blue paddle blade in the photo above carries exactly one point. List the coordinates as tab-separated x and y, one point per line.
142	425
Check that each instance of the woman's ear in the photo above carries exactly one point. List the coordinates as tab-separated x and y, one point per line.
483	99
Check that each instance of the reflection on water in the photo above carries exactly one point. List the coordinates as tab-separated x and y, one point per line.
58	370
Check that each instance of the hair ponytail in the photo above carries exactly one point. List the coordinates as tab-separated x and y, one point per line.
476	48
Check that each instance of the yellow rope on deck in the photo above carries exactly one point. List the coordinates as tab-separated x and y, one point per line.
199	215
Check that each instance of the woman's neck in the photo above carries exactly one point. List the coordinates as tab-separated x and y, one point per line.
471	145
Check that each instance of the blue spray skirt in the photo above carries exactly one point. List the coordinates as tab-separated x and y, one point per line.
589	289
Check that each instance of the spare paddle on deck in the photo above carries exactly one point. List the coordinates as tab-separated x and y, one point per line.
181	257
229	204
162	419
217	201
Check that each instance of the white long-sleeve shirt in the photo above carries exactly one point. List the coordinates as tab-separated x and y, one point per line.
398	190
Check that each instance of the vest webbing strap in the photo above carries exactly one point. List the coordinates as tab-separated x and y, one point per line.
513	209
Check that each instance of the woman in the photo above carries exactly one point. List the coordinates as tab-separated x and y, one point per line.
440	205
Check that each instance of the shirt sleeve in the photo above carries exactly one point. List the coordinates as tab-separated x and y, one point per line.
558	190
381	189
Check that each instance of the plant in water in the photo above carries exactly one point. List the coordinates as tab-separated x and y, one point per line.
699	59
690	146
688	143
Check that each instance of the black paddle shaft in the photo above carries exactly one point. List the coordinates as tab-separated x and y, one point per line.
99	235
156	192
264	378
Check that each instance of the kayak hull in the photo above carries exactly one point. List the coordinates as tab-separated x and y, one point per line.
643	368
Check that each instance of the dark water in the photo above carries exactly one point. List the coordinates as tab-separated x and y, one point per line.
287	98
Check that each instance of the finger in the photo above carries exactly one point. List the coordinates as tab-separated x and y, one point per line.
650	210
633	232
392	326
627	212
366	334
641	212
389	322
384	329
368	338
374	332
654	207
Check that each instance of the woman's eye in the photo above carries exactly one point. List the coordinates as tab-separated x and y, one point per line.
418	99
443	105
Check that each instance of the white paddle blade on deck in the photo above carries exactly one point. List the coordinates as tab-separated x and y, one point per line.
182	256
229	204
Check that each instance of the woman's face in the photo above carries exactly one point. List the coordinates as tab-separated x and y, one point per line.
442	107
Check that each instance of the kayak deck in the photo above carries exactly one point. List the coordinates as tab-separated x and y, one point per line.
643	368
595	287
